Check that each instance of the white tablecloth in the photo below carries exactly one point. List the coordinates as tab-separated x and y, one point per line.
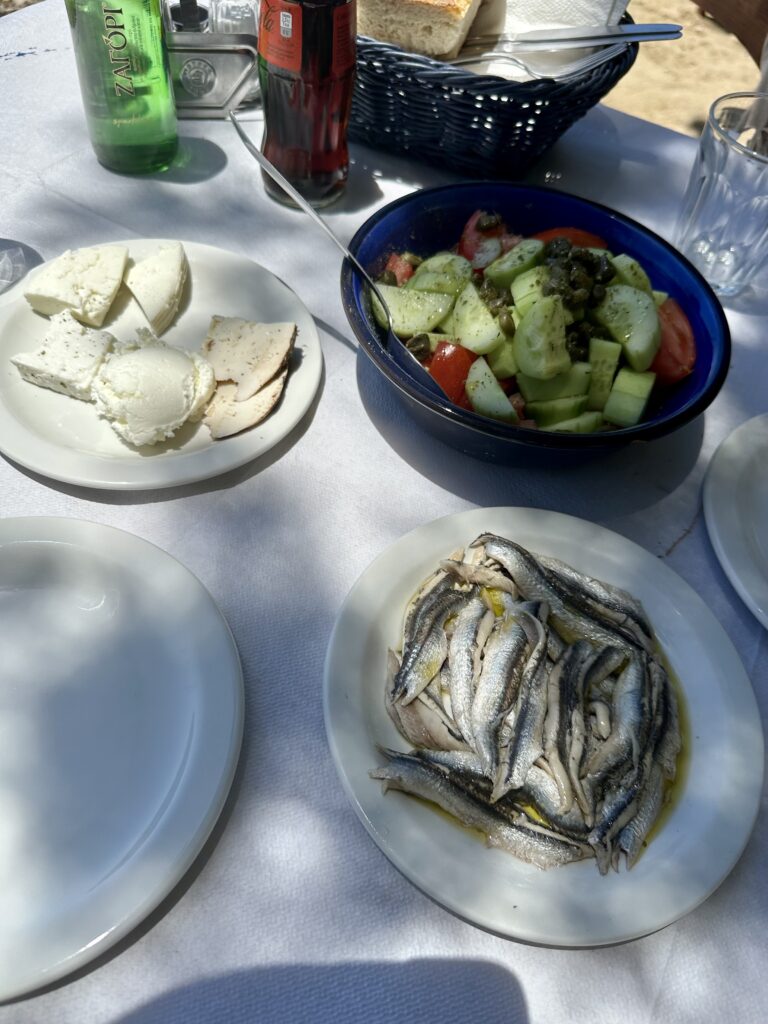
292	913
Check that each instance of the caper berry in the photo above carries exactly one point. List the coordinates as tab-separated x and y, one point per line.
579	296
587	259
388	277
578	277
556	248
488	221
507	322
419	346
598	294
604	272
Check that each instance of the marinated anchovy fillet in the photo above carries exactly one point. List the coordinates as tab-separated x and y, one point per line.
410	775
537	707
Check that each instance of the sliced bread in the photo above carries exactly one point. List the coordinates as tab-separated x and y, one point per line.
436	28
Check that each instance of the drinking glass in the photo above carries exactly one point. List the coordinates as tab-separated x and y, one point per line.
723	224
235	16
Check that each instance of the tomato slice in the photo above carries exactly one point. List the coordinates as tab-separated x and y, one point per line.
400	267
677	352
518	404
481	247
449	366
577	237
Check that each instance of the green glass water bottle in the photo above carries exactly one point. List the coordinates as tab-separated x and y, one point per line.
125	80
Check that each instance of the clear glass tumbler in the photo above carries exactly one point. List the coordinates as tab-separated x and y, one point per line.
723	224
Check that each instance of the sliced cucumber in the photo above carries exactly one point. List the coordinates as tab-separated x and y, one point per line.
659	297
604	358
629	397
556	410
575	381
629	271
630	317
446	325
412	312
523	257
446	272
475	327
540	340
528	288
486	395
502	359
584	423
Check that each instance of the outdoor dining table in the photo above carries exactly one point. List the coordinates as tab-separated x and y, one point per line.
291	912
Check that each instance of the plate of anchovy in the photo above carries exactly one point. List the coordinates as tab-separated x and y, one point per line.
543	727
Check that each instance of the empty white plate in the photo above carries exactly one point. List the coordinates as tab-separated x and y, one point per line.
121	715
736	512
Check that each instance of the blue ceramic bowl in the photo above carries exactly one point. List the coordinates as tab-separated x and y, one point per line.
432	219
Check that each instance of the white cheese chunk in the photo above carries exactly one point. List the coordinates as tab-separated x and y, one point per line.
68	359
148	389
157	283
84	281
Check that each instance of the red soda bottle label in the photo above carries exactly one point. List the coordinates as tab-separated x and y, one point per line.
344	38
280	34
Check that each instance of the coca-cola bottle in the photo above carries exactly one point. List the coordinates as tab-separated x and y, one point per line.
306	71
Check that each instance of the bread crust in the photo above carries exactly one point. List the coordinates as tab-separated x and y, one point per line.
436	28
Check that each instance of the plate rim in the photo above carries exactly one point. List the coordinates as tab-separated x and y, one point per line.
43	459
730	459
79	532
466	518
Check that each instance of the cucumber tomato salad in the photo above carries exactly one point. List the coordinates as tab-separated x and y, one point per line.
552	331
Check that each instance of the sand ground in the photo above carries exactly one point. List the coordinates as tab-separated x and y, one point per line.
671	83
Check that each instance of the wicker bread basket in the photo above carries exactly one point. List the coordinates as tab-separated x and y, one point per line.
479	125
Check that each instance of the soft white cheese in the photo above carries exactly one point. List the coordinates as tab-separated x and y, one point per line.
68	359
148	389
84	281
157	283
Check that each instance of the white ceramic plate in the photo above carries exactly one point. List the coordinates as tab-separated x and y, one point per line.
736	512
700	839
65	439
121	715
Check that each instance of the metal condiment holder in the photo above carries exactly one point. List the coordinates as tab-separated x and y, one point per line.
212	73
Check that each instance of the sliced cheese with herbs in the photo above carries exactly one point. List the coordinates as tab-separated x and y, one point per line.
248	354
83	281
157	284
227	415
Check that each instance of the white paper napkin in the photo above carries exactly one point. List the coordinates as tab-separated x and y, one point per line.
527	15
511	16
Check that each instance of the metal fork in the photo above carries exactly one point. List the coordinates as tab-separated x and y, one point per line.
563	73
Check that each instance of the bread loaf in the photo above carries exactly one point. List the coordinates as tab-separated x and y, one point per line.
436	28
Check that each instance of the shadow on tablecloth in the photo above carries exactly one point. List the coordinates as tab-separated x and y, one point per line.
605	488
439	991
